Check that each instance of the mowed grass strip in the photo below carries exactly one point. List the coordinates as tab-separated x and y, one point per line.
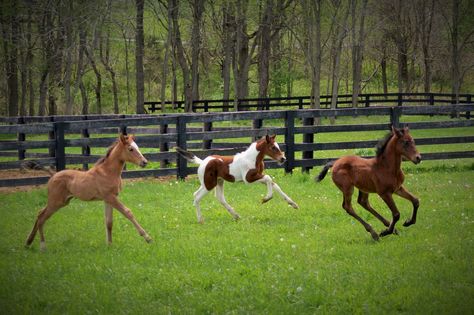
275	260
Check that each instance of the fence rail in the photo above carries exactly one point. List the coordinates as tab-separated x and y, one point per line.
304	102
198	131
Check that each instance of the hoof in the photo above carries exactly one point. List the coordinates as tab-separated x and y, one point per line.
201	221
408	223
42	247
236	217
385	233
375	236
294	205
147	239
266	199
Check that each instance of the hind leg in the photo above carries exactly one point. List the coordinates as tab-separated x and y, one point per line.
363	200
347	205
221	198
109	219
198	195
402	192
32	235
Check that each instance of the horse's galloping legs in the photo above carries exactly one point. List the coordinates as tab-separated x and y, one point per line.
387	197
221	198
272	185
114	202
363	200
347	205
109	219
198	195
43	215
402	192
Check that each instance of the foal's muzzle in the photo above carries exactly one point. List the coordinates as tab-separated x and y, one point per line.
282	160
143	163
417	159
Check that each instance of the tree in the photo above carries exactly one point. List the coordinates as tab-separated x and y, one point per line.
139	54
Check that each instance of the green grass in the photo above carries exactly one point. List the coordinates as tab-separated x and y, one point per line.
275	260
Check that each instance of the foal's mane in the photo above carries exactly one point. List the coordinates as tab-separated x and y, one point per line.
102	159
382	144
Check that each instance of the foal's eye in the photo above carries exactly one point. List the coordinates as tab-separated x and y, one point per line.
130	149
406	143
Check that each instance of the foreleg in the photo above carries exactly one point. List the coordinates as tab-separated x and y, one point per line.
402	192
114	202
272	185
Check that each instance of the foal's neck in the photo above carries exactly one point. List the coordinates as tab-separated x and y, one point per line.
252	154
113	164
390	159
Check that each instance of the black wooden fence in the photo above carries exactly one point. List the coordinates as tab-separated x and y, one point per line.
304	102
200	133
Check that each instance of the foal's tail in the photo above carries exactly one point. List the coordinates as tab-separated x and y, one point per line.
33	165
323	173
188	156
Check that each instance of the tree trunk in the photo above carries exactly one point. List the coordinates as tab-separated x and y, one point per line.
455	68
68	25
80	71
198	8
188	97
358	44
98	86
228	28
341	33
139	55
264	53
105	58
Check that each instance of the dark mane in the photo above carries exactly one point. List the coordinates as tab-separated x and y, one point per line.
102	159
382	144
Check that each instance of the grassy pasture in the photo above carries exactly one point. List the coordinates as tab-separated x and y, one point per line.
275	260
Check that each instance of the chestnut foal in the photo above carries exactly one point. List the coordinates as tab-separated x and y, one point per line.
381	175
102	182
246	166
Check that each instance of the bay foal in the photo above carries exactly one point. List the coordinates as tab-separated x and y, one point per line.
246	166
101	182
382	175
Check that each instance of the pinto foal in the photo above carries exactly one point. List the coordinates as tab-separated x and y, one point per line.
101	182
382	175
246	166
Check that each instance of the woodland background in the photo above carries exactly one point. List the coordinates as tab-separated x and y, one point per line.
109	56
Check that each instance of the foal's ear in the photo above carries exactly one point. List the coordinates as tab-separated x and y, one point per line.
123	138
397	132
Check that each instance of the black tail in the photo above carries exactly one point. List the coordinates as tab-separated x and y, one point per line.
187	155
323	173
33	165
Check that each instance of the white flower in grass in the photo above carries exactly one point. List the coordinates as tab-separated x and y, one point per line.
293	246
282	239
299	289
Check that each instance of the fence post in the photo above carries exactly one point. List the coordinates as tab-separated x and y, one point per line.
468	100
367	100
300	103
60	145
290	140
86	149
51	136
308	138
395	113
164	147
21	137
181	142
400	99
257	124
206	144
